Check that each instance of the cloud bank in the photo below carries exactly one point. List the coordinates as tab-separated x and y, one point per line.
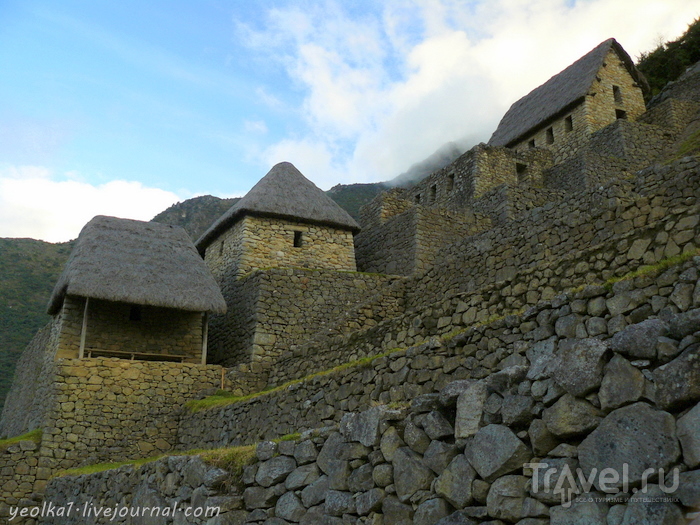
35	203
384	89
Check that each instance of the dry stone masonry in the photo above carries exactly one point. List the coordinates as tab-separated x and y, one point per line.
521	344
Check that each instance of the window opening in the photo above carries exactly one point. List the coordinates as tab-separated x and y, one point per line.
297	239
568	123
620	114
550	135
617	94
450	181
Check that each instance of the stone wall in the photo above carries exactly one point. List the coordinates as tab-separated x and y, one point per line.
263	242
31	393
408	243
478	351
22	473
545	236
114	328
603	234
114	409
558	387
384	206
176	489
389	247
273	310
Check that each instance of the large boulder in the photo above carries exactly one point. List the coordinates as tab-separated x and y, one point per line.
631	439
689	436
495	450
431	511
363	427
571	416
622	384
683	324
578	367
274	470
652	508
639	340
508	500
678	382
470	409
410	474
455	482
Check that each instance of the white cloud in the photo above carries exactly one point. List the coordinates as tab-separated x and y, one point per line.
384	90
34	203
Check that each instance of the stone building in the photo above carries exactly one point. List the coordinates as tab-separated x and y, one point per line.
283	221
134	290
284	257
560	115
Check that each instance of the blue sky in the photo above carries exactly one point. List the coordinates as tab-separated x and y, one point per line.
123	108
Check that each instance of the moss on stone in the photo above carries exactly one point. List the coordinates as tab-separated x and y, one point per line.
652	269
34	435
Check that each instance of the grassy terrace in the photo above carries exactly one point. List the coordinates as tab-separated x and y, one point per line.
223	398
34	435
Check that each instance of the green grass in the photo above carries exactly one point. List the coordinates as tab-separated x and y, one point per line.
652	269
231	459
223	398
34	435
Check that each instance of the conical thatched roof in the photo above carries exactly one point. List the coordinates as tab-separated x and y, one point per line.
284	193
137	262
559	94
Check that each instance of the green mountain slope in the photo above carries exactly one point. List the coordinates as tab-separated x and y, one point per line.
28	271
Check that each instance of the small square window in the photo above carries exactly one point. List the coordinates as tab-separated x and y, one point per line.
417	199
531	144
298	239
617	94
550	135
620	114
568	124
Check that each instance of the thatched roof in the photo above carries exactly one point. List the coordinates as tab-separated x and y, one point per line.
283	193
137	262
559	94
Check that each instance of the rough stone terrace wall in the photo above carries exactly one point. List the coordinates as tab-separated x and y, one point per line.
592	381
384	206
31	391
185	484
272	310
505	202
389	247
616	238
110	328
114	409
263	242
674	114
407	243
475	353
547	235
22	473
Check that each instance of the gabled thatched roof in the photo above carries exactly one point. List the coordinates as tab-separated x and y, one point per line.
137	262
559	94
283	193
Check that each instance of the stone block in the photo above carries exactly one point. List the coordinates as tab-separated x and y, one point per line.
688	430
495	450
632	439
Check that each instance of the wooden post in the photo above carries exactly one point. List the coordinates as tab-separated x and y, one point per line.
83	330
205	336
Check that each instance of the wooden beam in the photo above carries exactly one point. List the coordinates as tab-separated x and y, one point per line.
83	329
205	336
